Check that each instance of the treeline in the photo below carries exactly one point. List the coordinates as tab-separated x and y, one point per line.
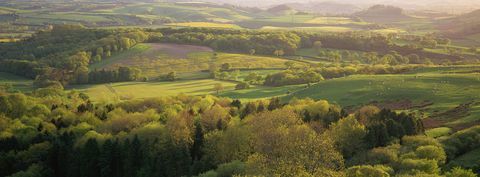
53	133
72	48
69	48
121	74
242	41
286	43
296	74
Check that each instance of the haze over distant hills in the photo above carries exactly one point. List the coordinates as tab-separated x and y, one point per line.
451	6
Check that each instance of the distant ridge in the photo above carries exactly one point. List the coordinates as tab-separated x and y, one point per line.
332	8
463	25
281	9
382	14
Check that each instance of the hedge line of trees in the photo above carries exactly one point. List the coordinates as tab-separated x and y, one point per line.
121	74
305	75
53	133
286	43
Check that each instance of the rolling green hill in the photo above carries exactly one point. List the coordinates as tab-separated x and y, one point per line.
445	96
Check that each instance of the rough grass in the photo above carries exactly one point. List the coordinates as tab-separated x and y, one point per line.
438	132
438	85
137	90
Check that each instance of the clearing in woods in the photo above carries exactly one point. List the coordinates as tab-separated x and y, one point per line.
156	59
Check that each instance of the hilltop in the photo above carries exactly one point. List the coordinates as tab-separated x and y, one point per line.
382	14
281	9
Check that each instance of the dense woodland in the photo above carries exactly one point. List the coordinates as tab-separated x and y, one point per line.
64	52
53	133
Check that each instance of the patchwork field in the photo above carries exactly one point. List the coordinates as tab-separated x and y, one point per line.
158	59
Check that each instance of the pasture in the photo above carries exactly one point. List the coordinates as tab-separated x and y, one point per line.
158	59
262	92
137	90
445	96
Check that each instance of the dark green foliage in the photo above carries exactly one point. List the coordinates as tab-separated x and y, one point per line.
388	125
274	104
121	74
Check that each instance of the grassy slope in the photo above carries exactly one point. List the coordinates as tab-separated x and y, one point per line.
446	91
154	62
134	90
261	92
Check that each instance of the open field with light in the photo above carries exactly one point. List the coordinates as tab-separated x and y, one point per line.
158	59
135	90
185	11
448	95
311	29
203	25
438	132
335	21
262	92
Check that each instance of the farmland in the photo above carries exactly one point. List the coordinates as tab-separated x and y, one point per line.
138	90
432	92
158	59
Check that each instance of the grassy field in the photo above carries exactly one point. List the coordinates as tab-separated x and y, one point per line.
204	25
17	82
135	90
446	90
311	29
158	59
438	132
262	92
335	21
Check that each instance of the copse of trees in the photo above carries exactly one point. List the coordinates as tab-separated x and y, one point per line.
292	77
121	74
313	74
67	49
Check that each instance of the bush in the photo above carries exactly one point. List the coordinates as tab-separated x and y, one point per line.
242	86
